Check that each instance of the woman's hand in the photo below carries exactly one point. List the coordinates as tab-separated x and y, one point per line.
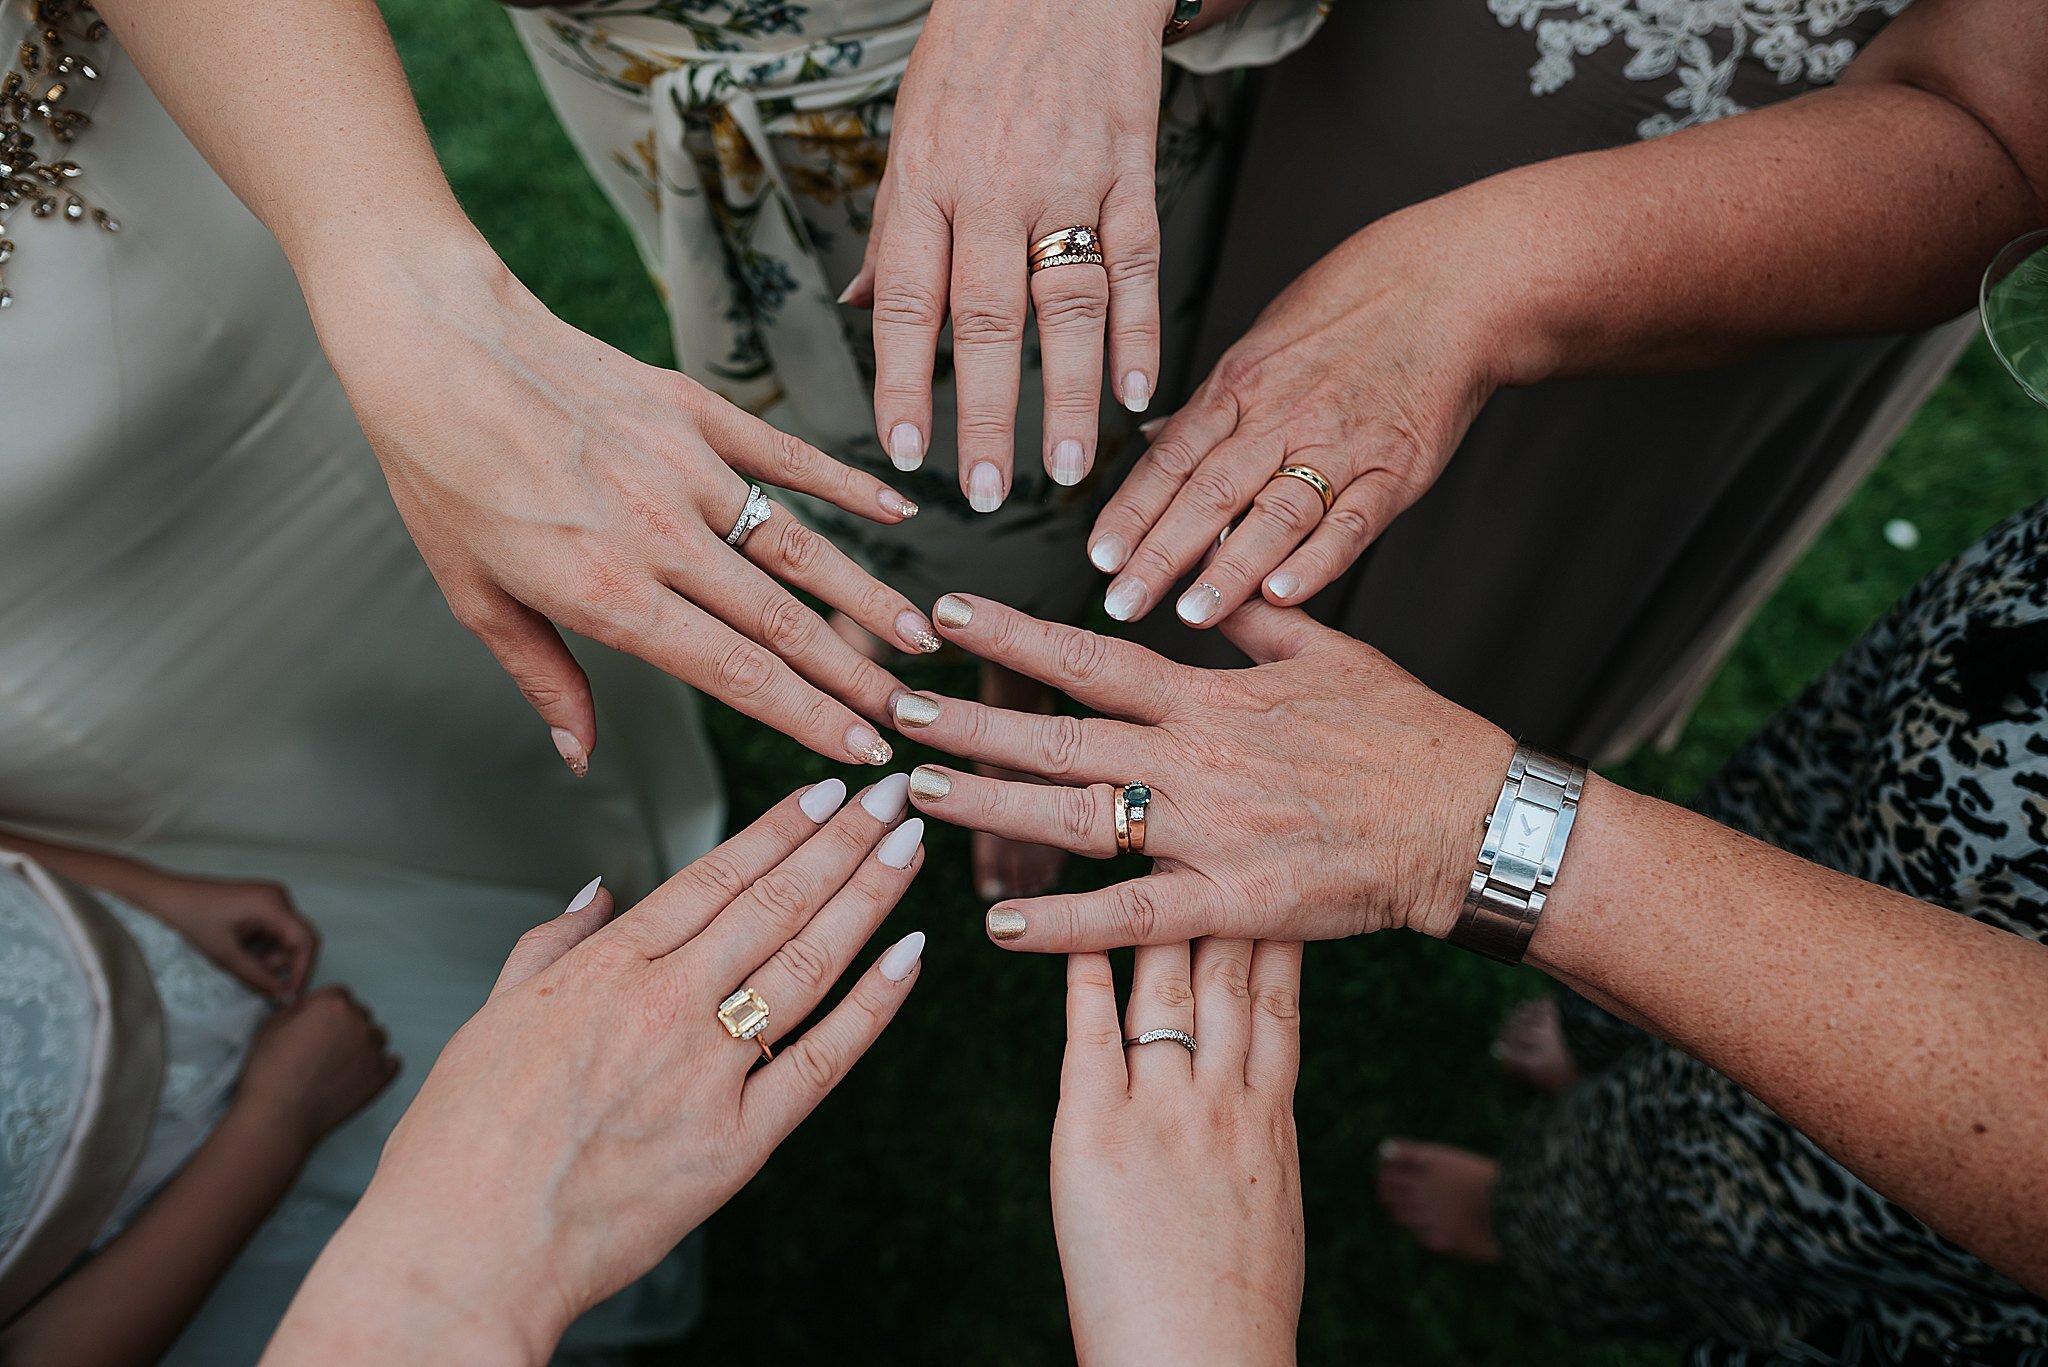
595	1110
1368	369
1323	793
249	927
1176	1180
550	480
1015	122
314	1064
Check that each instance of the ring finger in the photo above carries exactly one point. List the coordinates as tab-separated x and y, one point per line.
1221	488
1281	517
801	558
1162	998
1072	303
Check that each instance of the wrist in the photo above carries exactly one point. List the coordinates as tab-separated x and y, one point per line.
274	1125
414	272
1470	781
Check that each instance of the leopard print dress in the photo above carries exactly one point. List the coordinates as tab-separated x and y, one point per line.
1658	1199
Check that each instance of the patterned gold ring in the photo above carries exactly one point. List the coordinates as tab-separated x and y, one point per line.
1313	478
1080	245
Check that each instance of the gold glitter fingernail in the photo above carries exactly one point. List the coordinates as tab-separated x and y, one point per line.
928	783
915	709
953	611
1005	924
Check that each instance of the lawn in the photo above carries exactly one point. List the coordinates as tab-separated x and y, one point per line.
908	1221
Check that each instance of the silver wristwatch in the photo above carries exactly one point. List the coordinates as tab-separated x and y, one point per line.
1525	839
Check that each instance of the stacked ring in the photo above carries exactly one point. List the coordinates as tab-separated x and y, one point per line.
1313	478
1076	246
1132	801
756	510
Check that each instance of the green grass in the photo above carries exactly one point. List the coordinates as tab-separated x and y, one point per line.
908	1221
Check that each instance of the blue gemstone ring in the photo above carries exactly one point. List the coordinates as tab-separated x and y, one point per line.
1132	800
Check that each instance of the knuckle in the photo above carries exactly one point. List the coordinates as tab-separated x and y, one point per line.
1079	817
1231	976
1083	657
1174	457
1173	992
718	875
1071	309
1278	1003
743	671
1348	523
985	323
806	966
1135	267
902	303
1238	374
802	550
783	896
609	597
1213	492
1139	913
789	458
815	1063
788	627
1063	743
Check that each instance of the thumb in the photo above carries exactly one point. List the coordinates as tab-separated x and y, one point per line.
531	651
550	940
1267	633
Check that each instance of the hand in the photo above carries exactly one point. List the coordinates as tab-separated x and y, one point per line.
250	928
1323	793
551	480
1368	369
315	1063
1012	124
595	1110
1194	1154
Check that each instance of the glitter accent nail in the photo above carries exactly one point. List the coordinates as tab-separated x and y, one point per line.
861	741
953	611
1199	604
914	709
928	784
1005	925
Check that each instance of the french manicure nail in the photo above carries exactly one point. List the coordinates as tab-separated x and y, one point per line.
865	745
928	784
884	801
1284	584
906	446
917	632
985	487
1149	428
570	749
1068	463
822	800
585	897
1199	604
1005	924
898	959
899	847
1124	598
1108	554
847	293
953	611
893	502
915	709
1137	393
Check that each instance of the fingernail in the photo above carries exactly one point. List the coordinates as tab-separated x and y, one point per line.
1137	391
985	487
991	889
906	446
1284	584
822	800
1068	463
1124	598
571	750
953	611
893	502
928	784
865	745
1150	427
916	631
899	847
898	959
1387	1149
1199	604
847	293
884	801
1108	554
914	709
1005	924
585	897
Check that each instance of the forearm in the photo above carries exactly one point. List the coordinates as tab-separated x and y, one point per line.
1906	1040
129	1302
126	878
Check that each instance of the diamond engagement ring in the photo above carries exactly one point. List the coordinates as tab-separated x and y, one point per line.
745	1015
756	511
1180	1037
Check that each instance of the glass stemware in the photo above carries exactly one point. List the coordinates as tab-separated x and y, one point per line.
2014	306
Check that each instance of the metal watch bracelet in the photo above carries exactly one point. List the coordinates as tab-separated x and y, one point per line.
1518	859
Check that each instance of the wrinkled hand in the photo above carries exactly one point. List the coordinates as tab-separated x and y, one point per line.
315	1063
550	480
250	928
1322	793
1176	1179
1014	122
1368	369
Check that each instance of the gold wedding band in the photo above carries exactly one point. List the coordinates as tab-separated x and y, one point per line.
745	1015
1133	801
1080	245
1313	478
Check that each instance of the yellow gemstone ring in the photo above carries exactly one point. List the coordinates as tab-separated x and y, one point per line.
745	1015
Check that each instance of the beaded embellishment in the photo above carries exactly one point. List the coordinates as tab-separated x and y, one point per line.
48	69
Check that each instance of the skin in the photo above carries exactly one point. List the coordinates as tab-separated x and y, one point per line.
594	1111
549	480
1324	792
1372	365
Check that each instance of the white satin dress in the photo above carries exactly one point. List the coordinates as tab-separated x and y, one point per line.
219	650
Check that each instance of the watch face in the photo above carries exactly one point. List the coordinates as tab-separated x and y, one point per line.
1527	836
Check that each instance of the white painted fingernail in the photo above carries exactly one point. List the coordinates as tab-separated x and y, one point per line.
570	749
847	293
915	631
1387	1149
899	847
906	446
1137	391
867	747
1150	428
1284	584
1068	463
1199	604
884	801
985	487
898	959
1123	599
822	800
585	897
1108	554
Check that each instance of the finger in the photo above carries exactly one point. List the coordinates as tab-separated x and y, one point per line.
798	975
249	968
1094	1063
1109	675
1361	512
675	912
988	293
860	291
778	1096
1072	304
1130	237
531	651
1282	513
1152	910
1202	509
587	912
798	556
291	943
1078	820
760	451
1223	1010
1274	1057
782	901
1267	633
1177	449
1162	998
911	269
1069	750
